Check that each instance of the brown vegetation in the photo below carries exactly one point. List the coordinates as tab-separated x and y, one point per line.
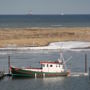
41	36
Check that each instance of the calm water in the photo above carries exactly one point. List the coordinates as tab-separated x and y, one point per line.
26	21
32	58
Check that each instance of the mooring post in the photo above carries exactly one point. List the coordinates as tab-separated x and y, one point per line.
85	63
8	64
89	73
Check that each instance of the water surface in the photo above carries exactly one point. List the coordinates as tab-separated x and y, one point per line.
27	21
76	64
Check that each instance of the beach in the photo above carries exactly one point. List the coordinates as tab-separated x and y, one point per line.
25	37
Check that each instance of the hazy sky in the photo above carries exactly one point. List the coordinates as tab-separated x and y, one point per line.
44	6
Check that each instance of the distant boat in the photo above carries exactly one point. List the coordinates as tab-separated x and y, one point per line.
29	13
62	14
48	69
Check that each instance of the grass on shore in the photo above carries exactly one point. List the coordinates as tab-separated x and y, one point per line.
41	36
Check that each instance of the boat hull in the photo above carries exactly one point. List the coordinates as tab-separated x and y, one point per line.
16	72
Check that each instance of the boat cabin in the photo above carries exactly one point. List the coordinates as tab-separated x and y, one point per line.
48	66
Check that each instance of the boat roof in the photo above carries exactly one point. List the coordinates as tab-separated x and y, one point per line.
50	62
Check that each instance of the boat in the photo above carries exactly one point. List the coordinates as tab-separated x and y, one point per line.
47	69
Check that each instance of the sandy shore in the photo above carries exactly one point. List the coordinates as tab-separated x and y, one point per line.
41	36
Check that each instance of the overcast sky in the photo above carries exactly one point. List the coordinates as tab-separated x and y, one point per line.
44	6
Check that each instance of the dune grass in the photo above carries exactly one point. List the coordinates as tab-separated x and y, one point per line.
41	36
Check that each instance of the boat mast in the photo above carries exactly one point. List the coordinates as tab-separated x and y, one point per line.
63	61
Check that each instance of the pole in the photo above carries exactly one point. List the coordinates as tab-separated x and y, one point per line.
85	63
8	64
89	73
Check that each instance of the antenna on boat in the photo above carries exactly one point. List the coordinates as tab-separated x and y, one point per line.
63	60
61	57
68	59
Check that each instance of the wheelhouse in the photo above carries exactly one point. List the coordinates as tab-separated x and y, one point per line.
52	66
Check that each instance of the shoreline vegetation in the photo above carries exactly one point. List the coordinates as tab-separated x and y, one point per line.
26	37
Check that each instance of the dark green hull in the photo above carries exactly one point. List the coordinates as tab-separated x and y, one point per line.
16	72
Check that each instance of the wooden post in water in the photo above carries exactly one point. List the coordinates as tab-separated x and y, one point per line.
85	63
89	73
8	64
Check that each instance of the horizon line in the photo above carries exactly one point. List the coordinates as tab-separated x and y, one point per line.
45	14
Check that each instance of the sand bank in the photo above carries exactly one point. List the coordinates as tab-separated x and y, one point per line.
24	37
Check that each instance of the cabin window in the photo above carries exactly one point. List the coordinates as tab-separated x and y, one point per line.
51	65
57	65
43	65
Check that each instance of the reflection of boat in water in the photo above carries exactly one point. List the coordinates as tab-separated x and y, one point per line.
48	69
53	80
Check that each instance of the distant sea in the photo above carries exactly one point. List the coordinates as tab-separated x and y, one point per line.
28	21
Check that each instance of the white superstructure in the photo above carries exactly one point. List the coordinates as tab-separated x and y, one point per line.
52	66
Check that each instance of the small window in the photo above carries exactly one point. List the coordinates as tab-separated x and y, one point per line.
43	65
51	65
57	65
47	65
